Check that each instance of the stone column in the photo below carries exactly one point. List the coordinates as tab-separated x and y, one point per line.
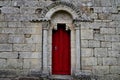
45	26
78	49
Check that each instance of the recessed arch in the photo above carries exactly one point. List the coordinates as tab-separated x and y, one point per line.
61	17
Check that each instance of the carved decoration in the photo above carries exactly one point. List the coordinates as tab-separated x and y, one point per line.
77	24
57	3
45	24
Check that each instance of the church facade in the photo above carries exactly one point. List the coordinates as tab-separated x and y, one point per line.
60	39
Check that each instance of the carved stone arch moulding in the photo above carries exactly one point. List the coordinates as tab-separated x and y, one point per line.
75	12
56	6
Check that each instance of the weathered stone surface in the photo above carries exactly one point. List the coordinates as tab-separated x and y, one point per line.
2	17
101	70
34	39
105	10
99	61
5	47
7	30
99	37
2	63
16	39
30	25
112	38
87	52
6	55
94	43
3	38
30	55
106	44
100	52
118	30
14	24
107	30
109	61
24	47
12	17
116	46
87	34
10	10
27	31
7	73
32	63
3	24
114	53
89	61
27	10
12	64
84	43
115	69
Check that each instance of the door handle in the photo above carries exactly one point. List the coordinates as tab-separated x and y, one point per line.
55	48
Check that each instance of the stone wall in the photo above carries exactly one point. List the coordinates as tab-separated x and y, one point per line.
21	40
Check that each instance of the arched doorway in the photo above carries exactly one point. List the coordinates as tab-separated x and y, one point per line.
61	43
61	14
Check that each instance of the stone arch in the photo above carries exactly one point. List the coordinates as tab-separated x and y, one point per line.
57	6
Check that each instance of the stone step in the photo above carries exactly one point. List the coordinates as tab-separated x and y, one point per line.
61	77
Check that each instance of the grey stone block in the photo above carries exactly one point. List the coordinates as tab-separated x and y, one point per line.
7	30
34	39
10	10
27	31
87	34
87	52
5	47
84	43
101	52
29	55
115	69
93	43
3	38
99	61
14	24
2	63
91	61
107	30
106	44
99	37
3	24
112	38
118	30
116	46
24	47
109	61
12	17
114	53
6	55
11	64
101	70
16	39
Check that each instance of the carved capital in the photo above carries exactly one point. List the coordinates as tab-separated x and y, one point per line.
45	24
77	24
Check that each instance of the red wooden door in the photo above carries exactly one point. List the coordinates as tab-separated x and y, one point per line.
61	64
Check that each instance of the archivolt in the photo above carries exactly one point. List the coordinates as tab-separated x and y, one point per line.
57	6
